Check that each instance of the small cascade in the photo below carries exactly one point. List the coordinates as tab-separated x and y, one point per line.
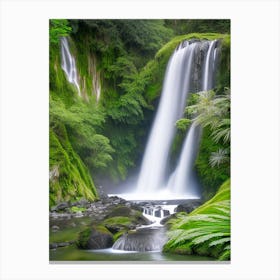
68	64
155	213
146	239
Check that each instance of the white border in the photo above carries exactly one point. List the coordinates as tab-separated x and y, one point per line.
24	138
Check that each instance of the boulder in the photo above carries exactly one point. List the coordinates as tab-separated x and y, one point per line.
60	206
166	219
123	211
95	238
188	206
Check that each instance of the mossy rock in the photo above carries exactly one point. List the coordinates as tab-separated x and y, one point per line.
95	237
124	211
117	224
76	209
120	211
119	234
123	218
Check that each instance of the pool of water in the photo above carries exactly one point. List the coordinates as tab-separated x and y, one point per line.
68	230
71	253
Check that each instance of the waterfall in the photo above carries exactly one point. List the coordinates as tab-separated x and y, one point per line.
68	64
209	67
183	179
190	61
171	107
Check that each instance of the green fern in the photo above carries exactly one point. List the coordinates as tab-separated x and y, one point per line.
205	231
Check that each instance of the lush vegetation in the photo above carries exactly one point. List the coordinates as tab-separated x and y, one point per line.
206	230
212	112
99	136
127	60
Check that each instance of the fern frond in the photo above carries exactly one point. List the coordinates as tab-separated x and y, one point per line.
219	241
204	238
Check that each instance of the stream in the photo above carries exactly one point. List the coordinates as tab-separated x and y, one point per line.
144	243
71	253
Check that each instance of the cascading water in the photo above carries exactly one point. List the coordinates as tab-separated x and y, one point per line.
68	64
183	179
210	67
171	107
192	65
178	82
145	239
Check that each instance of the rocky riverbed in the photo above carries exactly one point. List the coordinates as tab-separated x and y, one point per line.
97	225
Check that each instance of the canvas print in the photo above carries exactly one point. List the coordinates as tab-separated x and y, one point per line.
139	140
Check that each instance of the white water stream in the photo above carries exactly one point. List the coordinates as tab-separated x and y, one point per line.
68	64
153	180
171	107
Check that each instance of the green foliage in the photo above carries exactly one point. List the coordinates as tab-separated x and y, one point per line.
121	56
212	112
206	230
223	73
210	177
199	25
153	72
124	141
82	121
76	209
148	35
58	28
85	235
118	220
127	109
183	124
83	238
69	178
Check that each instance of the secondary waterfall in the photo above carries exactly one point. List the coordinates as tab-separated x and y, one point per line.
190	69
68	64
183	180
171	107
210	67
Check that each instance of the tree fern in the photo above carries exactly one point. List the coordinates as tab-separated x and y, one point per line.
218	158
